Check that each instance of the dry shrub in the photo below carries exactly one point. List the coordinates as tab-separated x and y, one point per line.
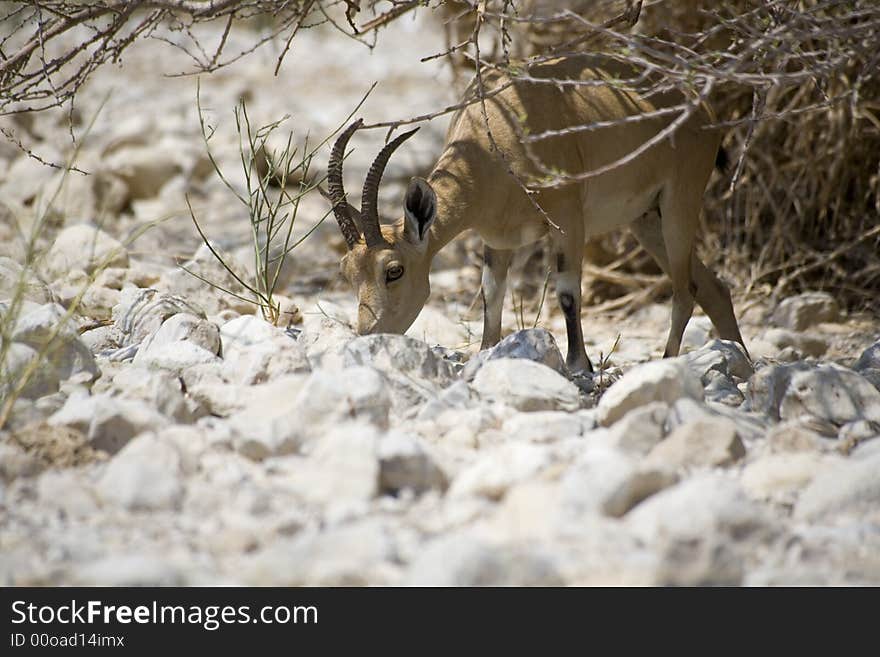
803	213
796	84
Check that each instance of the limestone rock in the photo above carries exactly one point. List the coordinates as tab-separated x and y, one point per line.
832	394
537	345
83	247
663	380
701	443
405	464
805	310
108	422
145	475
526	385
853	487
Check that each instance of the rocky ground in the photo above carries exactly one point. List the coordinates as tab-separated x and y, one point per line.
175	437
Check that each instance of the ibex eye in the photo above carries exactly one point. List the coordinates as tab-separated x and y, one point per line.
393	273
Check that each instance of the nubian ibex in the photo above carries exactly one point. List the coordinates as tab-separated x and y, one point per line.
657	194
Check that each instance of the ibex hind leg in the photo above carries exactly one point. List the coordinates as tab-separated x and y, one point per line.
712	295
678	224
496	262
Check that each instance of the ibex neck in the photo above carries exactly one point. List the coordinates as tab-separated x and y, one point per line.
452	193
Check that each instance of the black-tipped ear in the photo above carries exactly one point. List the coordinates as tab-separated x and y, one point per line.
420	209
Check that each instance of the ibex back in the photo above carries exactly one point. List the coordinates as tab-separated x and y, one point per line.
658	195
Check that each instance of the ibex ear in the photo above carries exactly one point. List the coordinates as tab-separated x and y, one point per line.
420	209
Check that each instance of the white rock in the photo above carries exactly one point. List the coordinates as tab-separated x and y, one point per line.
37	324
495	471
465	560
144	475
357	554
663	380
405	464
83	247
722	356
265	361
779	477
637	433
822	555
696	333
805	310
435	327
268	424
701	443
103	339
175	357
537	345
830	393
144	169
108	422
324	339
96	302
28	179
285	415
343	469
210	387
142	311
68	491
852	488
14	277
702	527
128	570
358	393
246	331
545	426
768	386
750	426
722	390
869	359
865	450
182	327
526	386
608	482
212	301
458	396
415	373
49	330
158	389
21	361
859	431
804	343
16	462
794	436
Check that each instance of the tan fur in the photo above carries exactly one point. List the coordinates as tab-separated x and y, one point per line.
474	190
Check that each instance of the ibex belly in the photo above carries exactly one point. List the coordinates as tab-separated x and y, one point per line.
516	235
608	204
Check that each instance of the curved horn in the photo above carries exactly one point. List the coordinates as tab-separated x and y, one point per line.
337	192
370	195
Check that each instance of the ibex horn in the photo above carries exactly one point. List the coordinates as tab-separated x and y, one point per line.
336	189
370	195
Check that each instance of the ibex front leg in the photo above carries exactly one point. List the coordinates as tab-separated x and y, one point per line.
495	265
568	251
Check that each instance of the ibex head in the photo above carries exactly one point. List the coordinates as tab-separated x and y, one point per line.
387	265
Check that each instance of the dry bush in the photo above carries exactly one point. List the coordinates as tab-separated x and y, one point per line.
804	141
796	84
